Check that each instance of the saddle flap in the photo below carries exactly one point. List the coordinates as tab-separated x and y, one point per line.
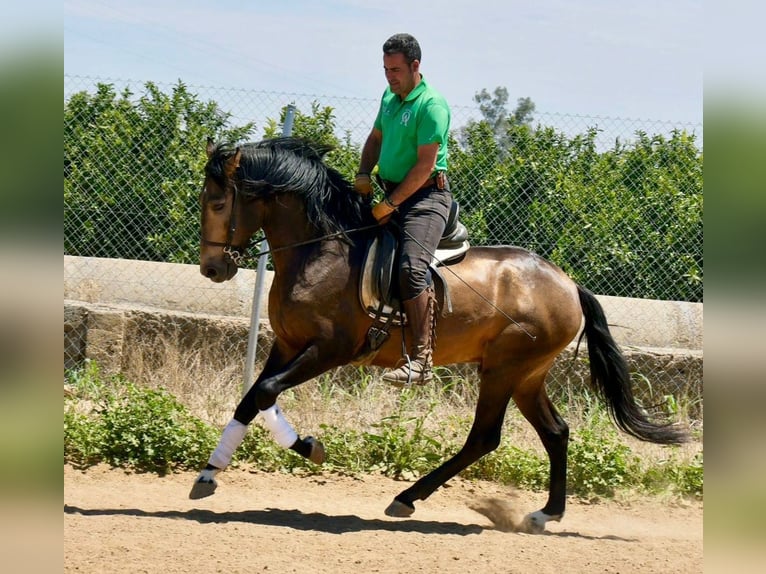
377	281
378	270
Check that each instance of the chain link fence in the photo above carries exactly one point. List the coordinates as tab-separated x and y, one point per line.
571	188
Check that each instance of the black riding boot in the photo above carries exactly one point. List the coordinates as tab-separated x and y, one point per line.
417	371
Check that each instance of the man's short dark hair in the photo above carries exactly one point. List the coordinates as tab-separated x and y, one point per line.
403	44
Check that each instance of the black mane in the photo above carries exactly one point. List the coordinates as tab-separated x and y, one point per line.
296	165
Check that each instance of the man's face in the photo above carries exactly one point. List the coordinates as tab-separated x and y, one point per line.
400	75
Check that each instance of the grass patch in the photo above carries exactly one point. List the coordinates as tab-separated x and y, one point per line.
127	425
366	428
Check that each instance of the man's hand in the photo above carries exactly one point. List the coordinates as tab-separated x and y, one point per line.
382	211
363	184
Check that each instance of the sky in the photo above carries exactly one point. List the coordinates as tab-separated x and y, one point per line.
596	58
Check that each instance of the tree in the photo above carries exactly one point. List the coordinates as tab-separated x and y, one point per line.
492	108
628	221
522	115
133	169
495	114
625	221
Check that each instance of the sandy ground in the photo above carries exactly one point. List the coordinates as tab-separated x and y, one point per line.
260	522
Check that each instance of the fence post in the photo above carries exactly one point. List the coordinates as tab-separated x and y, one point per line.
260	275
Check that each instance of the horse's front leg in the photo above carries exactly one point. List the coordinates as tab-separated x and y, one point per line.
275	378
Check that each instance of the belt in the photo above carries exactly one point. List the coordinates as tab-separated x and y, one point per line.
390	186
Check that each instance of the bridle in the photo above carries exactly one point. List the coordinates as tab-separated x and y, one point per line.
237	254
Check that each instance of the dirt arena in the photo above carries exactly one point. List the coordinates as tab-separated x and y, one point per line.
260	522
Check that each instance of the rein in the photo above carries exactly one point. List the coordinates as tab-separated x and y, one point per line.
238	254
238	257
315	240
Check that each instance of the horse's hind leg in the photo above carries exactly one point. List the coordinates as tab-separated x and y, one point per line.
554	434
483	438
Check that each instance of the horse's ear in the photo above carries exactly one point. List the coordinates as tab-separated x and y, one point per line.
210	148
232	163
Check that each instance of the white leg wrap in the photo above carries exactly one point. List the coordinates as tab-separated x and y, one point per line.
232	437
284	435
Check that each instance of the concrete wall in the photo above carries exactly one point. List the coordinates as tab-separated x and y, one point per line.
162	285
123	314
134	340
174	287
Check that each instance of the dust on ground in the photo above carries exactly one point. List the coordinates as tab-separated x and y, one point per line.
116	521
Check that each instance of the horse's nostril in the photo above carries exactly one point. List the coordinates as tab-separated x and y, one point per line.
210	272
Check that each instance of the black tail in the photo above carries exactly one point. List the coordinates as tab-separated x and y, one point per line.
610	376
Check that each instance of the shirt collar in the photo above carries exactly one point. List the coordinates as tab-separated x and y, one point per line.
416	91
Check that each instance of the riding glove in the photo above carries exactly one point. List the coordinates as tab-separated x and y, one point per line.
382	212
363	183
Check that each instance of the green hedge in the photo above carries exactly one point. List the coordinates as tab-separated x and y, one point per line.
625	221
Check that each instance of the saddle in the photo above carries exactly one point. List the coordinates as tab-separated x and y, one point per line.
378	280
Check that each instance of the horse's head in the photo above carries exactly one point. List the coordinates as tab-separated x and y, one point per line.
280	183
226	225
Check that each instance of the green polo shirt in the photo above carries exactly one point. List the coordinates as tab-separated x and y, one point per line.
422	118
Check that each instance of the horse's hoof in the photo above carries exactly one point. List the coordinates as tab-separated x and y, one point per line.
399	509
203	488
317	455
534	523
205	484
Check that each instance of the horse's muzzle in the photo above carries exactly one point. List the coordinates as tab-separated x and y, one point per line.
218	271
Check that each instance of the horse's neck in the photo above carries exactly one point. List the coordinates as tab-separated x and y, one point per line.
291	237
292	240
285	224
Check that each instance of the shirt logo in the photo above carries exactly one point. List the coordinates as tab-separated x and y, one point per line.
406	117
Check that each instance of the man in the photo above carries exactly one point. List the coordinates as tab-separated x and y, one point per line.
408	143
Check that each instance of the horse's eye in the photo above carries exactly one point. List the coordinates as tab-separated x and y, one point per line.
218	205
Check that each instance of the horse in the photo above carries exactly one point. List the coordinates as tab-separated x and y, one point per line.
513	312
